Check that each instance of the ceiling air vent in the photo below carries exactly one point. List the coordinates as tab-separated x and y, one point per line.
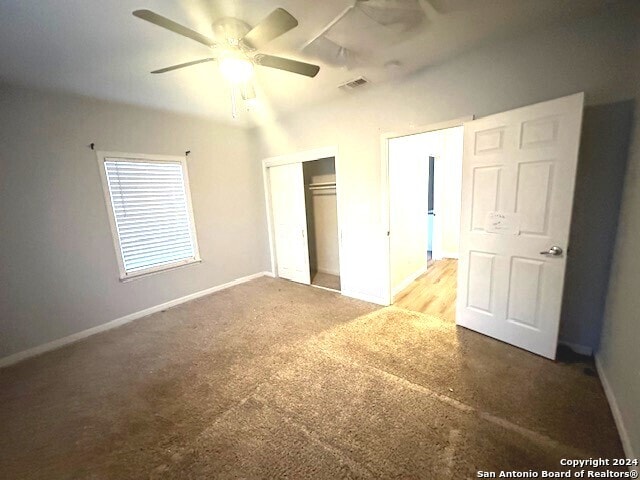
355	83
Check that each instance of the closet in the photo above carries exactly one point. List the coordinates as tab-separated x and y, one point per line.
304	222
322	222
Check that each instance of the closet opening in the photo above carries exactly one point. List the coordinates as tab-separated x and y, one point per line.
322	222
301	194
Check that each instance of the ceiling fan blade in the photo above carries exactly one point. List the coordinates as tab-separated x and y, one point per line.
287	64
183	65
277	22
164	22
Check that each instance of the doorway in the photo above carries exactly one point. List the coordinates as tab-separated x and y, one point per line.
517	183
431	209
424	191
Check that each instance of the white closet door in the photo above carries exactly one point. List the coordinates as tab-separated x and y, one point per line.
290	222
519	172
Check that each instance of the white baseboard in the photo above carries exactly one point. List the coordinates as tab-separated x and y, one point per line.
453	255
408	280
365	297
629	451
328	271
581	349
325	288
61	342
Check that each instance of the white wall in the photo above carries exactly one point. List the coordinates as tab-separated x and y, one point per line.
619	357
408	193
448	190
446	146
591	55
58	269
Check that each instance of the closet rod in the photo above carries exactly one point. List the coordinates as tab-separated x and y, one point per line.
324	187
322	184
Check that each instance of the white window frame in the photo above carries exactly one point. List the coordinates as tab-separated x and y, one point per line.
103	156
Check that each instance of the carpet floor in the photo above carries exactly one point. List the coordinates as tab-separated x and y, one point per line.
271	379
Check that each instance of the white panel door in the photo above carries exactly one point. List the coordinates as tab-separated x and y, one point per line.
290	222
518	179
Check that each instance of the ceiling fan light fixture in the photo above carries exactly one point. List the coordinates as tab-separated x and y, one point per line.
236	69
236	50
247	91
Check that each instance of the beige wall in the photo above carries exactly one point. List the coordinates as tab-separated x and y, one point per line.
58	270
619	357
604	152
325	217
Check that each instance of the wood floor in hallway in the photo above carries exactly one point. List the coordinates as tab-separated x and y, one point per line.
434	292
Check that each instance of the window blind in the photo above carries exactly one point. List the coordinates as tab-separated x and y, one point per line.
151	213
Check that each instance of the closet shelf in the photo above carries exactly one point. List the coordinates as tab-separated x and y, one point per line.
322	186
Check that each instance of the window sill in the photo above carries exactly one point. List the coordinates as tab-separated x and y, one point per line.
161	269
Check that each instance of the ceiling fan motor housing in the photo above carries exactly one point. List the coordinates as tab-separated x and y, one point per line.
230	30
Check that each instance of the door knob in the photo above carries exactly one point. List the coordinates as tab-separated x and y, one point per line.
552	252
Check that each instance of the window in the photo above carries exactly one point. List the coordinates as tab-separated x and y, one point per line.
150	212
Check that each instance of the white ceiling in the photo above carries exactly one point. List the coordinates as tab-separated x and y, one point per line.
97	48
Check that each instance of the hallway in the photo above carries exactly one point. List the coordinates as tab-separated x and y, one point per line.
434	292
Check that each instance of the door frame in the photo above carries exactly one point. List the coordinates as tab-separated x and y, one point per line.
298	157
436	246
385	210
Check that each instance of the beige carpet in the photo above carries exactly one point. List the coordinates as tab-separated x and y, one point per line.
275	380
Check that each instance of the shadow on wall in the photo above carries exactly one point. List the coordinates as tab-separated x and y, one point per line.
602	165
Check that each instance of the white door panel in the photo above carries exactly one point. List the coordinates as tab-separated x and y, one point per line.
519	165
290	222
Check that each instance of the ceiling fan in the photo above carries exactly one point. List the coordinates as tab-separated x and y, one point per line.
236	47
